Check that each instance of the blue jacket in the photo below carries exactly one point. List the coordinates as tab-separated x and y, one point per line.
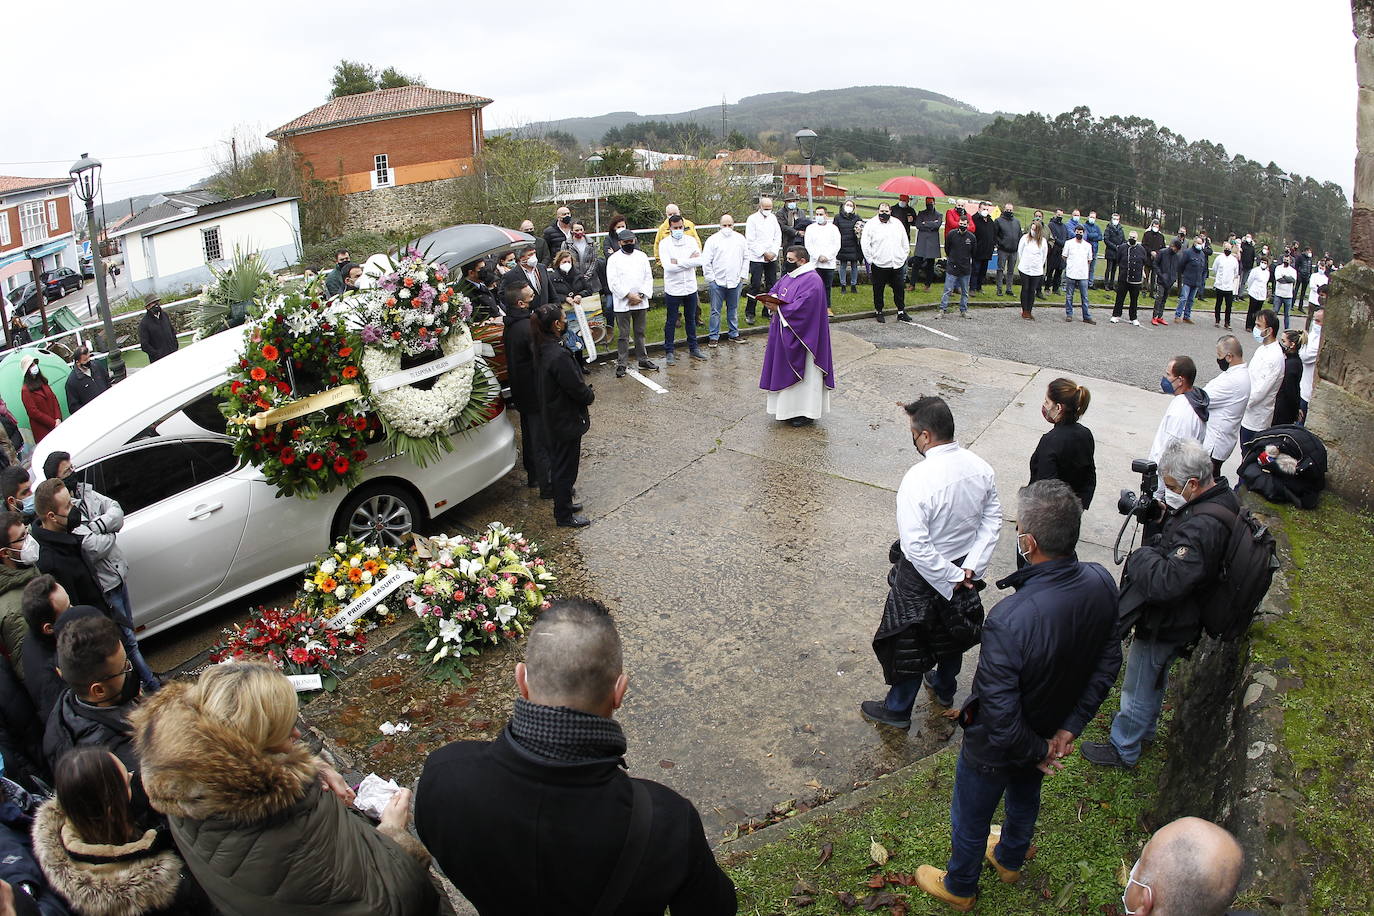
1050	655
1192	267
1060	230
1092	234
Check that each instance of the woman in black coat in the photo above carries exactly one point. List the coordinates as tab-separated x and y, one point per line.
1288	400
567	286
564	397
850	253
1066	451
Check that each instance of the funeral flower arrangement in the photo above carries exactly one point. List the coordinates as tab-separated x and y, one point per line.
474	592
296	641
412	308
349	570
297	352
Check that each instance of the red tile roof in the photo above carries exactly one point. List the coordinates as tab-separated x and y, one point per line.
377	105
10	183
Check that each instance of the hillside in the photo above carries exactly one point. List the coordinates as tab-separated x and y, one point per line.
897	108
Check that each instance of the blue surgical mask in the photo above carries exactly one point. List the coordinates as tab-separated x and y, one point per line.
791	205
677	233
1165	385
1258	336
27	506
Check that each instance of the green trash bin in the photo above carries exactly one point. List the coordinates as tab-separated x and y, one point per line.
63	319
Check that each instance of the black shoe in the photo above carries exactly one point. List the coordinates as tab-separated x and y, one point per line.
749	320
576	507
903	316
879	317
619	373
874	711
697	354
648	364
586	369
801	421
531	483
1103	754
546	494
577	521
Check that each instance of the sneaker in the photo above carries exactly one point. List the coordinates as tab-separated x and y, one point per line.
965	314
932	880
1089	321
1163	322
1068	318
878	316
697	354
1115	320
576	521
712	344
1104	754
1135	321
648	364
940	314
1216	325
749	320
671	360
1187	321
875	711
739	340
620	371
903	316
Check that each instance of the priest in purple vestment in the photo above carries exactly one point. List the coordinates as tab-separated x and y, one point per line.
798	373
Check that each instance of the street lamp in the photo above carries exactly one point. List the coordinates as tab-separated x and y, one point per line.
1284	181
806	142
594	165
86	174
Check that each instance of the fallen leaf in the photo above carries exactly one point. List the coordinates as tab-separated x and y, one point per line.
827	850
810	730
1123	874
883	898
899	909
784	807
390	680
804	887
903	880
813	784
846	899
801	900
667	764
877	881
1062	900
877	851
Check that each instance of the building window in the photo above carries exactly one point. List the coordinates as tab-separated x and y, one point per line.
209	240
381	171
52	214
31	225
4	229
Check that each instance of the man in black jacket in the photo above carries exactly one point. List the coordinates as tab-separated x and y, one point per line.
985	233
59	550
524	385
1050	654
87	380
1165	273
564	397
1163	590
960	261
1054	262
1007	231
551	791
557	232
1153	242
155	334
476	275
101	689
1113	237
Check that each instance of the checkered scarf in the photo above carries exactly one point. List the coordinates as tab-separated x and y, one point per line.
565	735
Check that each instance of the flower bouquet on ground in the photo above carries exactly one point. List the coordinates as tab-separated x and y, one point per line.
470	593
296	641
350	570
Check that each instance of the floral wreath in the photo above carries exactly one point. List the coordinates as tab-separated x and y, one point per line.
298	349
344	573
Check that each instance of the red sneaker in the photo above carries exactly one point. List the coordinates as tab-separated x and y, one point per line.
1163	322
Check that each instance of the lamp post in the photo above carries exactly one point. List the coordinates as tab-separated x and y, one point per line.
86	174
1284	181
806	142
594	165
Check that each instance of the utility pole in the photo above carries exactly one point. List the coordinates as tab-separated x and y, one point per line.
722	119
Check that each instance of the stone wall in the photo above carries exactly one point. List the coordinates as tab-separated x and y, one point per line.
393	209
1342	411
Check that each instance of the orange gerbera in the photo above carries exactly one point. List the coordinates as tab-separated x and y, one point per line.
258	373
329	584
345	352
370	566
350	371
269	352
355	574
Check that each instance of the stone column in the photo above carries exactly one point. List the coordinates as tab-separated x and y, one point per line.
1342	410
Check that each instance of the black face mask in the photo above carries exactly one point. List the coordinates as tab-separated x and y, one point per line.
129	690
1223	365
627	247
487	276
567	220
884	216
74	518
70	482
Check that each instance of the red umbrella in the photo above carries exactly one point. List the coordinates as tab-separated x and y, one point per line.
910	184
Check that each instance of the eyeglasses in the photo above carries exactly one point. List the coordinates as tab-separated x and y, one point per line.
126	671
22	539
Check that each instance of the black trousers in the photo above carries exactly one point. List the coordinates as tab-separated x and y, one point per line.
917	264
1109	280
1030	288
1300	293
563	460
1255	306
1054	277
980	273
882	277
1161	297
1223	297
827	275
1121	290
534	452
762	276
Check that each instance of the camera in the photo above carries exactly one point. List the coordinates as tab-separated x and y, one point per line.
1140	504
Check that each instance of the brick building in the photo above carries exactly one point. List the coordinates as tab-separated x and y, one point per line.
794	182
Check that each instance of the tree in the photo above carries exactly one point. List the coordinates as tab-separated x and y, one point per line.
353	77
617	161
703	193
509	179
391	78
278	168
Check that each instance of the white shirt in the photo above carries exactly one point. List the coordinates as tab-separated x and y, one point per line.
1308	354
1229	394
1227	274
1266	372
1284	280
762	235
1180	422
822	243
1030	257
1078	254
679	279
1318	280
947	509
724	260
1257	284
886	244
629	272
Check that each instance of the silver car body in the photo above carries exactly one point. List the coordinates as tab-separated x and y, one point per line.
200	532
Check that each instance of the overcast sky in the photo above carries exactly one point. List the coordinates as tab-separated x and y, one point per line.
1270	80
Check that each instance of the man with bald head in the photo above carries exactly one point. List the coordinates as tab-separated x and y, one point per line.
1190	866
689	228
551	791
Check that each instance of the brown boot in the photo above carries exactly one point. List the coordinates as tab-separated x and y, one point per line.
1006	874
932	880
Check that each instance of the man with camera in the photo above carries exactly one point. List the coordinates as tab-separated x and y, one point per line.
1165	585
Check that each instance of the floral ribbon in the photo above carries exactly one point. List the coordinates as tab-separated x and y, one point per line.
428	370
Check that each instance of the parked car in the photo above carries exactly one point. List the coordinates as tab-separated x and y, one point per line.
24	299
88	268
60	281
199	531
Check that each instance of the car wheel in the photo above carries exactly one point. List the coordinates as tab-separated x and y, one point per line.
381	515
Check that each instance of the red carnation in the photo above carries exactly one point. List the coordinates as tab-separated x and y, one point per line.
299	655
314	462
360	423
360	455
341	465
235	386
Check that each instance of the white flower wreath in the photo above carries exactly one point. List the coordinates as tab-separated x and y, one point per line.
413	411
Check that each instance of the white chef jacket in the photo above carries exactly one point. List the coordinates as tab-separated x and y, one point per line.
1308	354
1266	372
762	234
1229	394
1077	256
947	509
822	242
1180	422
886	244
629	272
679	279
725	259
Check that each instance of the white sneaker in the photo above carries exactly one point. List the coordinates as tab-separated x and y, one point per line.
1115	320
1135	321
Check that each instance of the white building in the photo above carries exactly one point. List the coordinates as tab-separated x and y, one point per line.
172	244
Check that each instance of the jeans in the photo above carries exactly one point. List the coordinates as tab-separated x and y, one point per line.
1186	294
623	321
827	275
1006	268
943	679
882	277
572	335
123	615
952	283
1092	269
1283	303
977	790
762	276
688	304
1223	298
1030	288
849	274
1142	694
730	297
980	273
1070	285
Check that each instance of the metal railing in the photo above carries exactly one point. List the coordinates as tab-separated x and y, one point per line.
77	336
590	188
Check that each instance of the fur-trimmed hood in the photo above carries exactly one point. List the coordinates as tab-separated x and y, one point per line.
98	880
197	767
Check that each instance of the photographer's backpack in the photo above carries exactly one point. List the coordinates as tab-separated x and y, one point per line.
1247	569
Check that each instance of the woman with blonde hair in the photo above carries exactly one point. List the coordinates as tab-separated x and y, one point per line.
265	825
1032	256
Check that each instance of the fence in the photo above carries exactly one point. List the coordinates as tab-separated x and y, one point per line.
77	336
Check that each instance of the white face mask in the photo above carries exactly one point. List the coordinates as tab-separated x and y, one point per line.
849	208
531	261
28	554
821	220
1023	554
1174	500
565	267
1129	881
729	228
